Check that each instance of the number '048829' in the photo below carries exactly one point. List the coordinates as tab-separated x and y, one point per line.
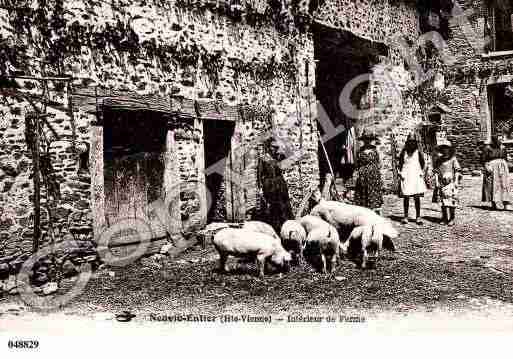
23	344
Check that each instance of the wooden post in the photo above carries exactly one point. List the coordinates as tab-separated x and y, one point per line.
69	90
329	162
172	189
486	118
228	188
200	165
37	188
494	27
236	176
395	170
97	180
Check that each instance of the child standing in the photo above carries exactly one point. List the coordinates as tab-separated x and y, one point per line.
411	172
447	182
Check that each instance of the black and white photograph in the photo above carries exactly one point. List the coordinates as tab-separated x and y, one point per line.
337	165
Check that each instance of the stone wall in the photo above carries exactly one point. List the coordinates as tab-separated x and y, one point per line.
72	213
463	124
375	20
390	112
466	35
172	49
179	52
467	82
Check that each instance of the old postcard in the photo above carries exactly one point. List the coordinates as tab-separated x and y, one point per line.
182	165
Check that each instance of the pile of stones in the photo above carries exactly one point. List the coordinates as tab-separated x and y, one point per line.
48	271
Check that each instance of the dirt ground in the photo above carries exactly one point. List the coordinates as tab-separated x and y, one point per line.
438	272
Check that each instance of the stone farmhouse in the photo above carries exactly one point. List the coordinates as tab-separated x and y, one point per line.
478	90
135	108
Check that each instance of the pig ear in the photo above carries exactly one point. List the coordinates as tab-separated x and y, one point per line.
388	244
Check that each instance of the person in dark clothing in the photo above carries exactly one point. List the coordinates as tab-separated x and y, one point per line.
274	187
369	184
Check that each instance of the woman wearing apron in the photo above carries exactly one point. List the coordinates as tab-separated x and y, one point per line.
496	185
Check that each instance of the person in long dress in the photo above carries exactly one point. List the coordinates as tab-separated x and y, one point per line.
411	172
496	183
274	187
447	182
369	184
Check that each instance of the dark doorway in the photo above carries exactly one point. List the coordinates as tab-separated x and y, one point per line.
340	56
218	135
501	101
503	12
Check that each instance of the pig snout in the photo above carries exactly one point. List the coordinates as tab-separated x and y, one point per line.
287	259
282	259
370	260
286	266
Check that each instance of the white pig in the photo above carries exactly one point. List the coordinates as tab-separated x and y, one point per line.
345	217
261	227
343	214
293	235
328	242
310	222
240	242
367	242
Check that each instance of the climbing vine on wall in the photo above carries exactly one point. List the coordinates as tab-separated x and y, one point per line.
58	30
39	145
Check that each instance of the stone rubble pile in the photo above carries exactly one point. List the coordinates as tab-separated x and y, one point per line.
48	271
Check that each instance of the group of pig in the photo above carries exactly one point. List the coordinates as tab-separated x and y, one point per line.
365	234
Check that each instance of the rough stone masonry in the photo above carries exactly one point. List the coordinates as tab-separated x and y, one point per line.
195	61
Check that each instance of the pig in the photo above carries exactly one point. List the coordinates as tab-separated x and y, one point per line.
345	217
239	242
367	242
310	222
293	235
343	214
261	227
327	240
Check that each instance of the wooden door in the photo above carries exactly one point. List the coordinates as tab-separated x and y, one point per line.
131	184
134	144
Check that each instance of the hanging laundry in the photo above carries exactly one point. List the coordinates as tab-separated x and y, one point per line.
347	161
348	148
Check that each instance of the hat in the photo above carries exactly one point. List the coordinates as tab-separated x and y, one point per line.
367	135
411	137
444	143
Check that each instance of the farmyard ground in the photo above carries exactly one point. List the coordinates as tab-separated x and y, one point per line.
439	273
